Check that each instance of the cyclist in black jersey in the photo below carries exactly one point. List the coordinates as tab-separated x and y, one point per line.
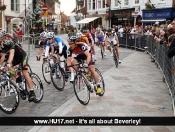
17	56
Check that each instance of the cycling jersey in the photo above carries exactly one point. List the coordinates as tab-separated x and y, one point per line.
111	37
99	36
58	44
91	40
41	44
20	56
79	50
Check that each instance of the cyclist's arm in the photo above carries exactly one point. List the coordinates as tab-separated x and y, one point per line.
88	55
87	41
116	38
47	51
52	50
11	56
60	47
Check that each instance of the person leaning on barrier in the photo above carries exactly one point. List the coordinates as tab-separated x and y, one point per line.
171	50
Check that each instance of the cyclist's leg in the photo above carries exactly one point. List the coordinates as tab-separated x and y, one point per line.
91	67
24	65
116	49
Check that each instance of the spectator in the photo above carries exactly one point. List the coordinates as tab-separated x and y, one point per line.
20	33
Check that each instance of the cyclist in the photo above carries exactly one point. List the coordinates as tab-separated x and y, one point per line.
91	41
18	56
41	43
83	52
111	36
99	37
83	38
59	47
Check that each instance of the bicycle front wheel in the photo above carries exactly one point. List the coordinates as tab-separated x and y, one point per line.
58	77
115	58
46	68
101	81
102	55
38	87
9	98
81	90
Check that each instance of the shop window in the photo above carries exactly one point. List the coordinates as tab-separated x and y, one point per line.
126	2
116	2
99	4
89	4
136	1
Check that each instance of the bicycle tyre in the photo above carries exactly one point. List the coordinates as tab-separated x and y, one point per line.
57	86
40	86
43	72
77	80
102	55
116	60
16	103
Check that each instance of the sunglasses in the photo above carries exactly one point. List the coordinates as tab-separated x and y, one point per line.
71	43
49	38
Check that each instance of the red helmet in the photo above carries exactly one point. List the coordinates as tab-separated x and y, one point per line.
88	35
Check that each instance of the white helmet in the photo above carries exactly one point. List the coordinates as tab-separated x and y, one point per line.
3	32
43	35
50	35
98	28
79	34
1	35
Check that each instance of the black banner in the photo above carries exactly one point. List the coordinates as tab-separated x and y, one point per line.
112	121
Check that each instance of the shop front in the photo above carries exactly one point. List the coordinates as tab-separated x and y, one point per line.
122	17
158	15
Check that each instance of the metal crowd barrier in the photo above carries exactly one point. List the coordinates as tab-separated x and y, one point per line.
158	54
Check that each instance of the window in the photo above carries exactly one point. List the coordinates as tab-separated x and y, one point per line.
99	4
89	4
15	6
104	3
136	1
93	4
126	2
116	3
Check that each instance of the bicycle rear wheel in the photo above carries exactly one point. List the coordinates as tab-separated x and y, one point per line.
58	77
81	90
9	98
116	60
46	68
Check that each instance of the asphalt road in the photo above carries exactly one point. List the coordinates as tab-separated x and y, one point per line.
52	97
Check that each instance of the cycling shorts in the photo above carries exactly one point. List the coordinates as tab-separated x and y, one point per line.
100	39
64	53
83	57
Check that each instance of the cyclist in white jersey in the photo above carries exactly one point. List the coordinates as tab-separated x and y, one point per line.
99	37
112	36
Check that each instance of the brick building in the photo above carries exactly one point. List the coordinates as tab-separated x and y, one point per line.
64	19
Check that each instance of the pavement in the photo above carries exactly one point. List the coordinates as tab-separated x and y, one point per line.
135	88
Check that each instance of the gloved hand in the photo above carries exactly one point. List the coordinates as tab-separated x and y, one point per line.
85	65
8	65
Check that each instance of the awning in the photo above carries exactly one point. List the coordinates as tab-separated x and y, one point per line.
87	20
153	20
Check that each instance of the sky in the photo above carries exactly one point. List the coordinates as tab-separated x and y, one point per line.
67	6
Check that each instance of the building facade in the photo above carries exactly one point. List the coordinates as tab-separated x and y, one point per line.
125	12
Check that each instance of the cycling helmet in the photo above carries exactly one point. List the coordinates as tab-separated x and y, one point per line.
50	35
78	35
3	32
84	31
98	29
109	30
72	39
43	35
1	35
5	43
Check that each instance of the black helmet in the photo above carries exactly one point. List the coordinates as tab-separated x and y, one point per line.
109	30
72	39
